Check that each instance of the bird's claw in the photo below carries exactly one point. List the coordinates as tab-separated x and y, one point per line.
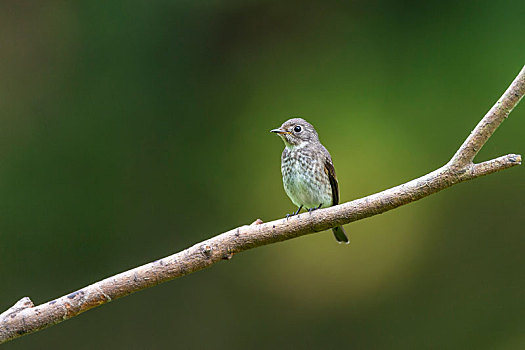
293	214
310	210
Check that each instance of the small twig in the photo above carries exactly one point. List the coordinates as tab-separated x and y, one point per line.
23	318
488	125
23	303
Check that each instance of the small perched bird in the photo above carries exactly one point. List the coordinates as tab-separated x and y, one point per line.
308	172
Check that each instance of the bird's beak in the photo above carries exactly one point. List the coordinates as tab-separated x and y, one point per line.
280	131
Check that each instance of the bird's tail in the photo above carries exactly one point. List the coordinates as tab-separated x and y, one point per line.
340	235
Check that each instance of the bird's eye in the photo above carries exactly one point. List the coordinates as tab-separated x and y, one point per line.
297	128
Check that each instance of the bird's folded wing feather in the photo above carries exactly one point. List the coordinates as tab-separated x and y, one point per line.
330	171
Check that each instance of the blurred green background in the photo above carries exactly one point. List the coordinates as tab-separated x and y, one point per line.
133	129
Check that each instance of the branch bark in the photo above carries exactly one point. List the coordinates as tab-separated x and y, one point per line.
24	317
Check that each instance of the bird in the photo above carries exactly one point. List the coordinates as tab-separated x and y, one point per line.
308	171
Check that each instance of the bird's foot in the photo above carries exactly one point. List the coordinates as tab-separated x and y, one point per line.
293	214
310	210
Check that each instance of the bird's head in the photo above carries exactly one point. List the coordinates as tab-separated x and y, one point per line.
297	132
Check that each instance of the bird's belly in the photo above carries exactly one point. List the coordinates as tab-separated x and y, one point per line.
307	188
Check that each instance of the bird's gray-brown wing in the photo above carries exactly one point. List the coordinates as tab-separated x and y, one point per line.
339	232
330	171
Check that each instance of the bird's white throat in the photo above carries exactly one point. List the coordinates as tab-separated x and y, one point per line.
295	147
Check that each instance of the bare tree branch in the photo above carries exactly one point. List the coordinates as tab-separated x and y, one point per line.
486	127
24	317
